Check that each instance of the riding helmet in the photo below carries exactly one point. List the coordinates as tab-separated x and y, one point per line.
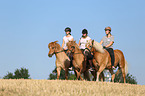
84	31
67	29
108	28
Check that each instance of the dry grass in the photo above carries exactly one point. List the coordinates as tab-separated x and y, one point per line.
23	87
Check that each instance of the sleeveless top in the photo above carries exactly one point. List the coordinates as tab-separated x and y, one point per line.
66	40
83	42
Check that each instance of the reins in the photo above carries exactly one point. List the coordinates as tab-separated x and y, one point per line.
74	52
91	47
58	52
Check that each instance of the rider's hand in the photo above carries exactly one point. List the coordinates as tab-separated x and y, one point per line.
65	48
104	47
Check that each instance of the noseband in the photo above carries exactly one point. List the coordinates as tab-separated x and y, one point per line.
73	47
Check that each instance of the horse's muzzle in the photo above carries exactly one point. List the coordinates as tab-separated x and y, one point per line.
50	55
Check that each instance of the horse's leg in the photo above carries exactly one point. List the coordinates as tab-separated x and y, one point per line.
86	75
81	77
94	74
67	64
118	71
66	73
102	76
75	73
112	74
96	69
99	71
58	72
79	74
123	73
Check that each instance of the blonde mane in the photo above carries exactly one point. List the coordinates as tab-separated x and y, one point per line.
73	43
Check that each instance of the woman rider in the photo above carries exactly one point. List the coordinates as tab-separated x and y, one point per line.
107	42
82	43
66	39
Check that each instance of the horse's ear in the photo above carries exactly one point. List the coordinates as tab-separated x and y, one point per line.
55	41
49	44
75	41
92	41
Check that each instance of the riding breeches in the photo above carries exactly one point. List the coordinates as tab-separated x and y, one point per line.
111	52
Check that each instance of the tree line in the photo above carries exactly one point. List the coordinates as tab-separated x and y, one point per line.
24	73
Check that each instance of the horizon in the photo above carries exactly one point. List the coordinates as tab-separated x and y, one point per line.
28	26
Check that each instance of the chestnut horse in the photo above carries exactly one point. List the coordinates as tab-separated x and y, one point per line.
79	60
62	60
102	60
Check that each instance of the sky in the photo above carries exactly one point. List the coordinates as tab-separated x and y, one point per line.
28	26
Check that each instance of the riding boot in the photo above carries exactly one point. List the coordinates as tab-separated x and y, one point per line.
71	59
91	67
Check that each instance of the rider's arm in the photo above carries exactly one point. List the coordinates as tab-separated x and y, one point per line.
79	43
111	43
101	42
72	39
62	43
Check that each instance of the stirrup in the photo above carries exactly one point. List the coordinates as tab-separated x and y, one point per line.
113	68
70	68
91	69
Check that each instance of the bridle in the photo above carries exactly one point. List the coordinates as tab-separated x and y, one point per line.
73	47
58	52
91	47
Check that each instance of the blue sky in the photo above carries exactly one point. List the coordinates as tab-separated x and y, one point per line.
26	28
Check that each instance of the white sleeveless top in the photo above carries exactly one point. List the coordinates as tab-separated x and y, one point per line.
83	42
67	39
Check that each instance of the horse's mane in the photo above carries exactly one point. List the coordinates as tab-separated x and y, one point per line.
56	44
74	43
97	46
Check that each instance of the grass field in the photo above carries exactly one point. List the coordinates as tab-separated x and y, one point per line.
23	87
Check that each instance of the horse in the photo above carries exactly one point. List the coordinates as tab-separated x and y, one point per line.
62	60
79	61
102	60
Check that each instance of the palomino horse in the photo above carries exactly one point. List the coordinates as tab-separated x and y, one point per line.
79	60
62	60
103	60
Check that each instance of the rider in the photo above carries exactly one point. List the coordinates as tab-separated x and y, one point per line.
82	43
107	42
66	39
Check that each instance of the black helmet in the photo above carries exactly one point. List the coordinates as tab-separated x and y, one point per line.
67	29
84	31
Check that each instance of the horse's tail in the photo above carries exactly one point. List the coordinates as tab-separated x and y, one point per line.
126	67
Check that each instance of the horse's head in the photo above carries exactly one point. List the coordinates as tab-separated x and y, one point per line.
94	46
71	45
52	48
89	45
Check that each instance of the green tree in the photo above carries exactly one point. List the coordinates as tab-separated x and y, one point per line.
53	75
129	78
19	73
9	76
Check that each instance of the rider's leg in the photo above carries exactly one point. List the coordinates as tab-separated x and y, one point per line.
111	52
90	57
